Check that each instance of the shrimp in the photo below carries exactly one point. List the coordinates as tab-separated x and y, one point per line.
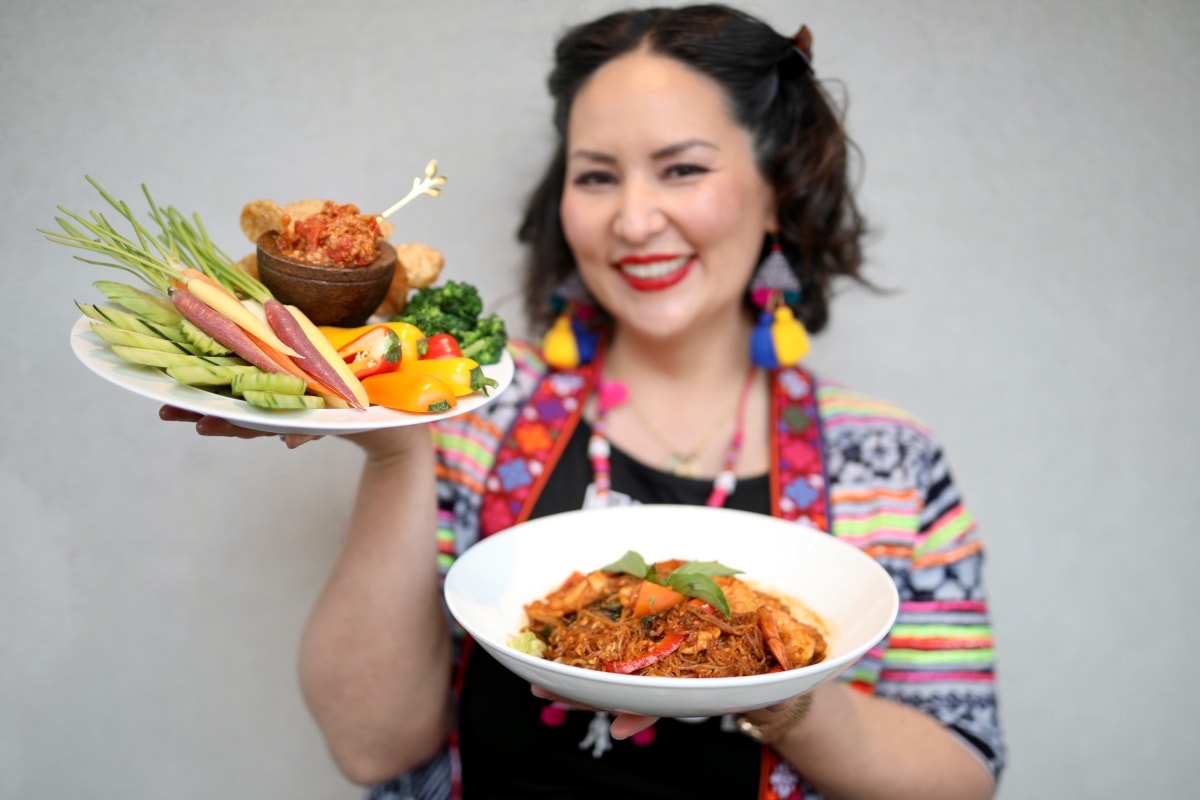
576	593
798	642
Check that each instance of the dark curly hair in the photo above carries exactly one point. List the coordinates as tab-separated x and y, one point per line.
800	144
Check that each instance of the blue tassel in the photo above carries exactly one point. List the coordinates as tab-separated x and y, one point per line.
762	343
586	340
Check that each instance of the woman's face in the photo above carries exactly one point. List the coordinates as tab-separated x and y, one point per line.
663	206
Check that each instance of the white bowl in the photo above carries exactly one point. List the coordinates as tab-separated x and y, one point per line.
487	588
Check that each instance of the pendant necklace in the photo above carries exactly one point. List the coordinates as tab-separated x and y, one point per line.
685	465
600	451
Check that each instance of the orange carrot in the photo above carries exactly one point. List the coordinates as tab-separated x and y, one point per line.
651	598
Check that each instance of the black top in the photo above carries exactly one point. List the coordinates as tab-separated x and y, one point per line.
519	747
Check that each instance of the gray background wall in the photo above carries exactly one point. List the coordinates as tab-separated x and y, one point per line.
1033	171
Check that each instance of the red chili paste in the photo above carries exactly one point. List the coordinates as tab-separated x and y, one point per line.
337	235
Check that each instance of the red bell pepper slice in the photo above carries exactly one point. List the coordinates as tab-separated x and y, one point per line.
441	345
375	352
667	645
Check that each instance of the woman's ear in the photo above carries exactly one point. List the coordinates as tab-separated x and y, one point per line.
771	224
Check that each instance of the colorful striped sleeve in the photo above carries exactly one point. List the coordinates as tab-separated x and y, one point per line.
892	496
939	655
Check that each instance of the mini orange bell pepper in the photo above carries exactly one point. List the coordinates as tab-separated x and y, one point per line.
410	391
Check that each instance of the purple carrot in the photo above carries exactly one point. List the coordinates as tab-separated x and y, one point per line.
223	330
289	329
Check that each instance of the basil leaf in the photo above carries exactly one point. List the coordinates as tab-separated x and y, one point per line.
710	568
631	563
701	587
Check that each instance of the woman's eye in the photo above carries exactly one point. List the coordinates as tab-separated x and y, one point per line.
684	170
593	178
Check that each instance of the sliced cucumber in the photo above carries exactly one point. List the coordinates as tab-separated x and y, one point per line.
156	358
145	341
201	342
130	322
274	382
152	307
209	374
283	401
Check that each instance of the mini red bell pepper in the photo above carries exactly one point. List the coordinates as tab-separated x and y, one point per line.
375	352
441	345
667	645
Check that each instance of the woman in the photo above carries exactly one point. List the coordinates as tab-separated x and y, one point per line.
691	141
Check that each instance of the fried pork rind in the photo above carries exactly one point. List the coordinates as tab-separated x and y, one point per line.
397	296
417	266
303	208
259	217
421	263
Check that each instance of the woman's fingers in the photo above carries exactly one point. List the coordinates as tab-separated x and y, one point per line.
294	440
626	725
173	414
623	726
215	426
545	695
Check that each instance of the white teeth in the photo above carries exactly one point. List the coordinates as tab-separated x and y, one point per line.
657	269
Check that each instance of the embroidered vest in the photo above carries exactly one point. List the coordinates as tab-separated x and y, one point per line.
540	433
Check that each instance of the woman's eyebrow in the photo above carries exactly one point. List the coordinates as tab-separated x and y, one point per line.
593	155
666	152
676	149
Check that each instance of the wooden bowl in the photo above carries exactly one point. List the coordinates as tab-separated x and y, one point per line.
341	296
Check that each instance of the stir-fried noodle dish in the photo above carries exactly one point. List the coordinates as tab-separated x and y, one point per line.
671	619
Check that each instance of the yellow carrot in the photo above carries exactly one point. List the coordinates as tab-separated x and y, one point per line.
223	301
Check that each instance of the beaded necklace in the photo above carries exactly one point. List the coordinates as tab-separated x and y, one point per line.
600	451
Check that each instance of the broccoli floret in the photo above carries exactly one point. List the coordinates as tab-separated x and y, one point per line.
460	300
430	320
486	341
451	308
455	308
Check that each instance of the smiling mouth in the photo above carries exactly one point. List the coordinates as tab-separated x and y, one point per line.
653	273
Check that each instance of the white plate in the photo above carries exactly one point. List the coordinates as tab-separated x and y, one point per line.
487	587
157	385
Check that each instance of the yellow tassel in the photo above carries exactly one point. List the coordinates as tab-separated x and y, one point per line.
558	345
791	340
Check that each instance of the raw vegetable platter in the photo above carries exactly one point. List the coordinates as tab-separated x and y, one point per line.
206	335
157	385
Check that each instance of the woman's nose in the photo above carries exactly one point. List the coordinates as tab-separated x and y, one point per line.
639	213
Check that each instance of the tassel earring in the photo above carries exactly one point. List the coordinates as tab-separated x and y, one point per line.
779	339
571	340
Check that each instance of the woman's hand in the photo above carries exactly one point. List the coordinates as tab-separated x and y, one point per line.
378	445
623	725
215	426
